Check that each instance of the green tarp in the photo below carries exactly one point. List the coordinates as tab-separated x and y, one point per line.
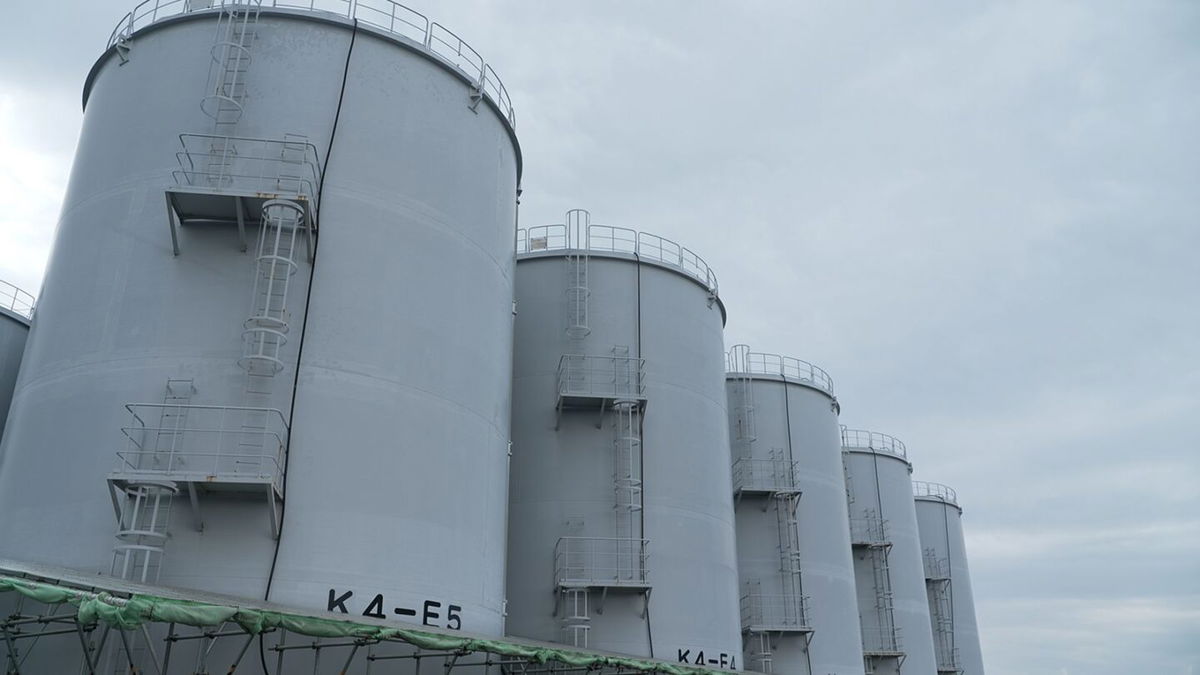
132	612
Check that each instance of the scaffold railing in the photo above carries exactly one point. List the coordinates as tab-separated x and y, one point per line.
926	490
85	621
610	239
787	367
873	440
16	300
601	562
216	443
286	167
764	475
605	377
868	531
882	641
774	612
390	17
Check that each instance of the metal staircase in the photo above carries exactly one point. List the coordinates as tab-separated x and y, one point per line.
941	611
614	386
144	506
869	538
577	223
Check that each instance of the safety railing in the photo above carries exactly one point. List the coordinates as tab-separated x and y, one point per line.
600	562
882	641
782	612
764	475
602	376
871	440
254	165
386	15
176	441
758	363
16	300
868	531
936	569
609	239
938	491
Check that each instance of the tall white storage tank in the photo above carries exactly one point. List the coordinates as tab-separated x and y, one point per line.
888	568
621	533
799	613
204	365
948	581
16	309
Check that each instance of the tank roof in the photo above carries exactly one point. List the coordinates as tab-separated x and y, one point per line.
16	302
386	16
741	361
934	492
859	440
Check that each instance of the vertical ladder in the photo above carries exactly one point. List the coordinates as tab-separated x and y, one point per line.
760	651
575	622
172	425
266	330
577	223
627	488
745	429
885	610
225	95
786	504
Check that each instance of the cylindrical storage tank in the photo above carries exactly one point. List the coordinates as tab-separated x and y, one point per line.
16	310
621	533
888	569
947	579
354	384
798	607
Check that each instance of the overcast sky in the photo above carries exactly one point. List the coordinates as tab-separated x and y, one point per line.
981	219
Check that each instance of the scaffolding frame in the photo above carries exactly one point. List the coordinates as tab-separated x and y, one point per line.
108	621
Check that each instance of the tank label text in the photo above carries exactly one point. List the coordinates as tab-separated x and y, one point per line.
697	658
430	612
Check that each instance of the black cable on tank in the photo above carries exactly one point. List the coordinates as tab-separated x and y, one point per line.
642	436
287	453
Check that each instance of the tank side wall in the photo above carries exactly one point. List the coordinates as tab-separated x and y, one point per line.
811	436
941	529
882	483
562	481
13	334
413	286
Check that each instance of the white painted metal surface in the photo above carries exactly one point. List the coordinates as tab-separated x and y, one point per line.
396	424
651	327
939	518
784	439
16	310
889	569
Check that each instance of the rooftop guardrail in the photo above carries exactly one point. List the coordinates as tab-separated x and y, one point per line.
938	491
872	440
16	300
390	17
609	239
743	361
